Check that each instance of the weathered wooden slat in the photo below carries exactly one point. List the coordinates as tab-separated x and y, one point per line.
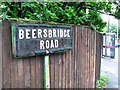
75	59
86	57
81	61
20	73
52	71
90	59
78	30
70	80
56	70
95	59
92	67
32	72
98	56
76	56
27	80
79	56
1	55
96	63
39	71
72	54
88	31
67	70
14	73
60	70
64	70
6	50
100	48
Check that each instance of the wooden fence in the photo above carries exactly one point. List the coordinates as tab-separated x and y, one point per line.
0	55
79	68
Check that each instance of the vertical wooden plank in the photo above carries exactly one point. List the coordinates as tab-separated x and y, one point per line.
14	72
98	54
56	70
39	72
78	39
88	36
6	50
27	72
75	56
90	61
81	61
69	56
33	71
95	60
72	54
1	55
79	54
101	41
86	59
66	67
70	85
89	58
92	58
64	71
52	71
83	57
60	70
20	73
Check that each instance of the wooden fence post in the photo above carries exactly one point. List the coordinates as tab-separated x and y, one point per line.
46	72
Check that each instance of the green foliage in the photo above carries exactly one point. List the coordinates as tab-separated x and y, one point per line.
62	12
102	82
113	29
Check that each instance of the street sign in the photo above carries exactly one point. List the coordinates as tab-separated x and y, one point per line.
37	39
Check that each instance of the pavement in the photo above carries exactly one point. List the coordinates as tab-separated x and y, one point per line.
109	68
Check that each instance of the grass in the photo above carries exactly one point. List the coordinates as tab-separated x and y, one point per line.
102	82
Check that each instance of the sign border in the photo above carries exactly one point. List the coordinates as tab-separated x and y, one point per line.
59	50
